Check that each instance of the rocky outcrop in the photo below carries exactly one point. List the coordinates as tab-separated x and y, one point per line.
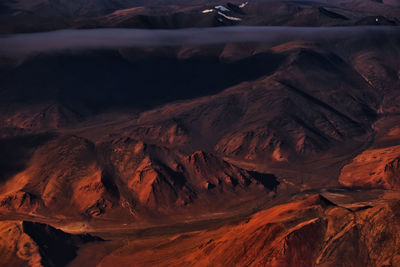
311	232
71	176
165	180
374	168
34	244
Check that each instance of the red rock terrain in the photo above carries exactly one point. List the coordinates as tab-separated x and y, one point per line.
312	232
70	176
25	243
277	152
375	168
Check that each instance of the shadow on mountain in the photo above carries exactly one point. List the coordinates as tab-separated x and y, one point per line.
102	79
17	150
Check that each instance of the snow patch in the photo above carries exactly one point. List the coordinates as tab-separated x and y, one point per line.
221	8
229	17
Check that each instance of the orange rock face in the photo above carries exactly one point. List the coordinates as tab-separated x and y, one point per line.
375	168
70	176
312	232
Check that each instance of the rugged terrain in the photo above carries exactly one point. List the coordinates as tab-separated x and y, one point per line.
44	15
312	232
35	244
236	146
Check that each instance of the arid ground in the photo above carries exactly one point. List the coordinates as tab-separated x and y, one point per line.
198	133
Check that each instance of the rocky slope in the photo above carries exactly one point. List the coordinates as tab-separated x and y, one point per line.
71	176
24	243
312	232
375	168
263	119
166	150
268	104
